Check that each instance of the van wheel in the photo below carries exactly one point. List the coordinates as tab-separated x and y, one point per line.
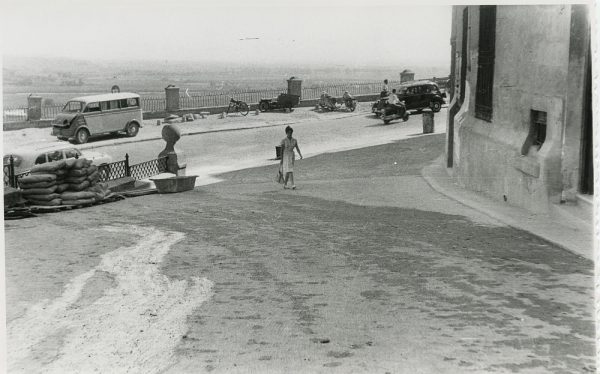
132	129
435	106
82	136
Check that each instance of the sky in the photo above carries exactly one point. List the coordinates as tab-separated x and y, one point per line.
352	32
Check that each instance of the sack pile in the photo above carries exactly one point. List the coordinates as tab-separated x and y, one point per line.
64	182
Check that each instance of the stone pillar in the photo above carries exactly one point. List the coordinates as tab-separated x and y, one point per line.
172	95
407	76
295	86
176	161
34	108
428	124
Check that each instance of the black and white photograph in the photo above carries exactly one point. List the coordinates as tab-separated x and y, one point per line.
298	187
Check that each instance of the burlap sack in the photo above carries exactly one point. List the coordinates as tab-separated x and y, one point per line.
80	195
94	177
54	202
46	197
35	178
62	187
70	162
78	202
92	168
75	180
79	164
78	172
100	189
36	185
48	167
79	187
39	191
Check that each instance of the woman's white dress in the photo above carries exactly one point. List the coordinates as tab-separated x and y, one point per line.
288	155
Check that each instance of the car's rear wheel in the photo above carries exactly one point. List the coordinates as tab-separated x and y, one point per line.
263	106
435	106
132	129
82	136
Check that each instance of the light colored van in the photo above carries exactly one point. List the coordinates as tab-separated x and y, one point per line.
87	116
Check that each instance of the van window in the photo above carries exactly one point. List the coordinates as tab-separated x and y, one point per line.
132	101
92	107
109	105
72	107
123	103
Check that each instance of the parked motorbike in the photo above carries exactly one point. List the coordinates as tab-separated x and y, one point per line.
327	103
350	103
391	112
331	103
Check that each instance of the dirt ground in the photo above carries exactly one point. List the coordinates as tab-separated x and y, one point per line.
362	269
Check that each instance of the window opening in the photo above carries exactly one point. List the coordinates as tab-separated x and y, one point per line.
485	63
463	55
537	132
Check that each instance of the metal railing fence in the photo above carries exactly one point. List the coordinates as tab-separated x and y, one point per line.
112	171
216	99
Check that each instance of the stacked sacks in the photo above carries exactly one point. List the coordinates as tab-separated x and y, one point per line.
41	185
66	182
82	183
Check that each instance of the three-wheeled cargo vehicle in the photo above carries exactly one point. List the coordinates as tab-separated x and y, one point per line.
283	101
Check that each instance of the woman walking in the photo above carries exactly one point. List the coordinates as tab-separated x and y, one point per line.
287	157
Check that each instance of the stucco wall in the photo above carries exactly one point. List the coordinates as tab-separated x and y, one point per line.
530	72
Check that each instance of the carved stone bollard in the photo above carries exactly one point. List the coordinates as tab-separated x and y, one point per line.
176	160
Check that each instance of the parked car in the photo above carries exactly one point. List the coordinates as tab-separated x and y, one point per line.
87	116
416	96
25	159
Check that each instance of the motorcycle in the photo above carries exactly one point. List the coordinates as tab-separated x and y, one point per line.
391	112
378	106
331	103
350	103
327	103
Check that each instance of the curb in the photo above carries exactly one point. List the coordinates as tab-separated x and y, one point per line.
560	235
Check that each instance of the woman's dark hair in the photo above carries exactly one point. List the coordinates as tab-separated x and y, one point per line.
288	129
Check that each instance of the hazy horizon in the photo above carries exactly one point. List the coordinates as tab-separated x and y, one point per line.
350	33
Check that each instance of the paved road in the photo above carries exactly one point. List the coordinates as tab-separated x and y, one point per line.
217	152
363	269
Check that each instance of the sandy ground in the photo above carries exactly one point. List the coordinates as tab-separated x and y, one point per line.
362	269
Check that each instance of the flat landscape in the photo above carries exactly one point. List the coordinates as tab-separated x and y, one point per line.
58	80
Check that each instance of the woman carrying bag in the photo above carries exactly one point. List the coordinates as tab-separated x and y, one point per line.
286	166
